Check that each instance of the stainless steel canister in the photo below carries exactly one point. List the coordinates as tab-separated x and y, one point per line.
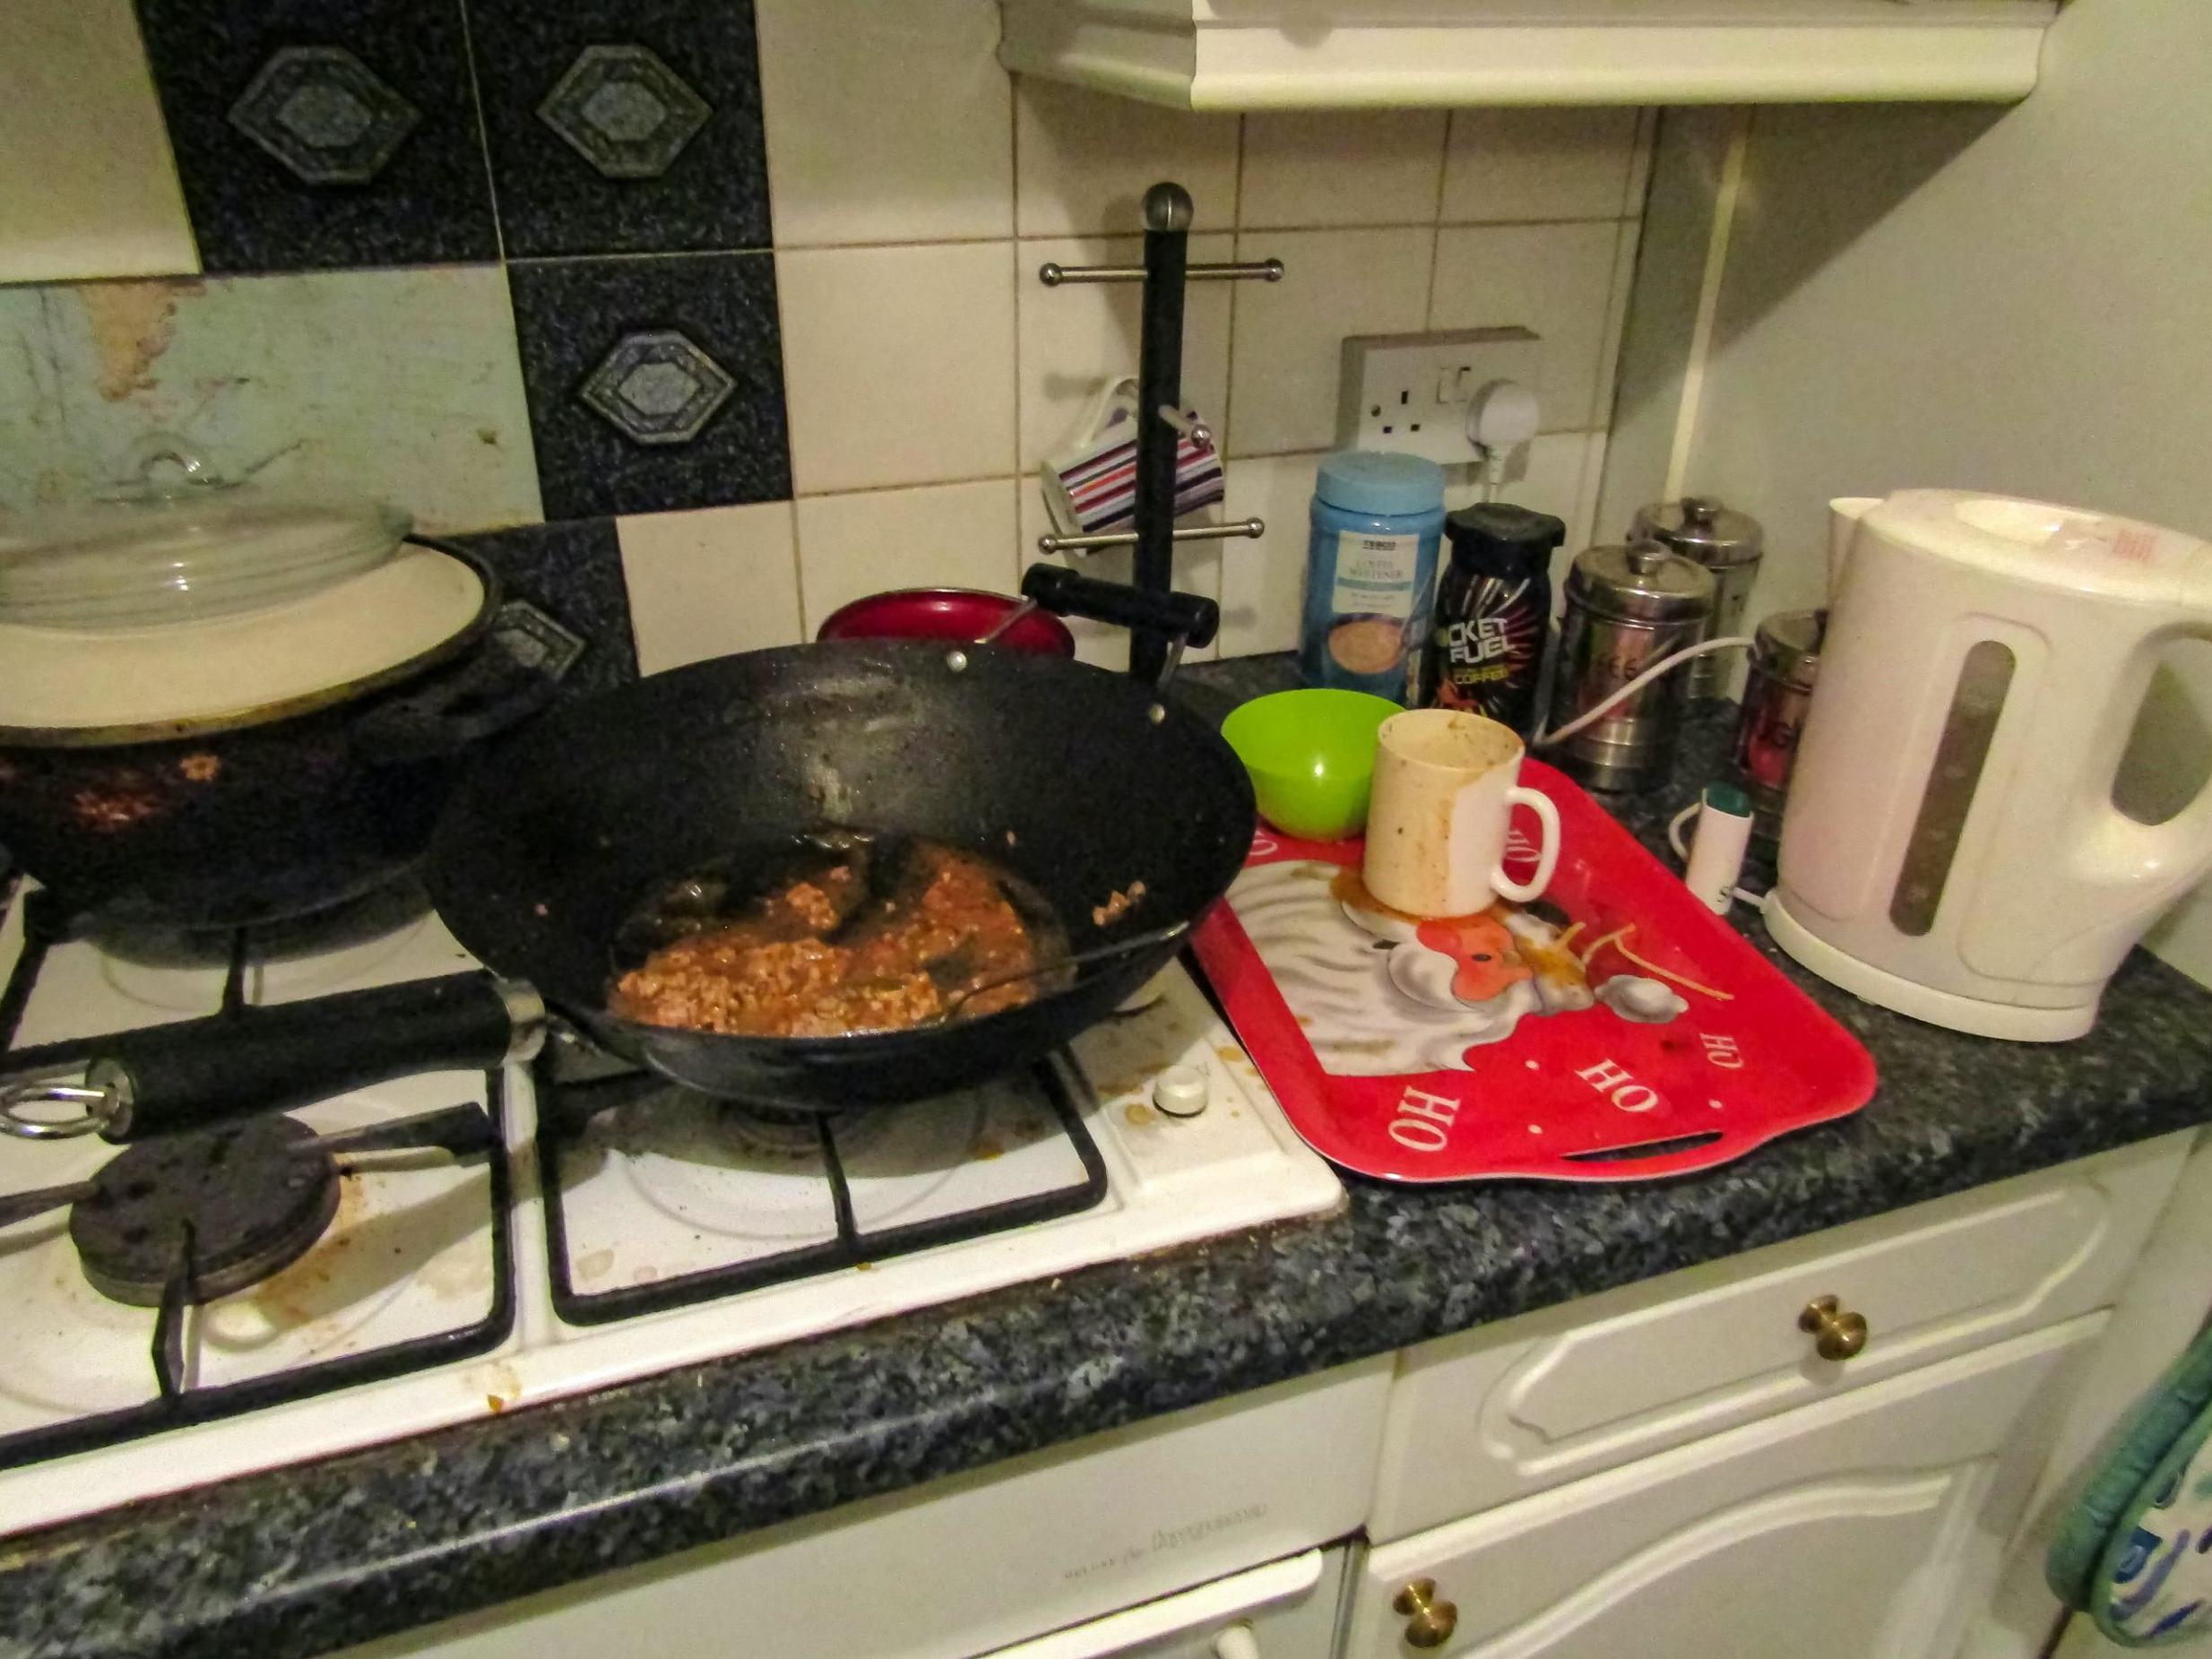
1784	664
1727	543
1627	607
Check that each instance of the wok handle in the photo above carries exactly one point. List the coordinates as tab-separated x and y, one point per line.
1188	617
198	1074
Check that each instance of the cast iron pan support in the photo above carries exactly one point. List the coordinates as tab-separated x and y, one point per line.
1160	418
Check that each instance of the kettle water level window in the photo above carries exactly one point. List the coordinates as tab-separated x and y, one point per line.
1978	699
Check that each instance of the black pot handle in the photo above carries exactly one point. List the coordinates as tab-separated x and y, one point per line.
1188	617
197	1073
488	694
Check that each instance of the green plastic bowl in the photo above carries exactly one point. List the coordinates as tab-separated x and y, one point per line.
1312	755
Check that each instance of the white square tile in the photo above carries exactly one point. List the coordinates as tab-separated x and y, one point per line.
1083	160
89	188
885	123
1197	570
1557	279
898	364
1639	163
1288	338
1077	338
1264	581
1594	529
1508	164
1310	169
950	536
1616	319
709	582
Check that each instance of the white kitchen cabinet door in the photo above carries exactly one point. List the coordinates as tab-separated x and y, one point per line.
1494	1414
1866	1526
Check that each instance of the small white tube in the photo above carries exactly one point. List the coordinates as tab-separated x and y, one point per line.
1717	846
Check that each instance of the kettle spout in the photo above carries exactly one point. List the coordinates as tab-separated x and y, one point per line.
1844	511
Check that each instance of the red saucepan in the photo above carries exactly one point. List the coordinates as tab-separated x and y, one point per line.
951	614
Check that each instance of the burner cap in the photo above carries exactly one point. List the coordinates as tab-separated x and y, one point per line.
255	1198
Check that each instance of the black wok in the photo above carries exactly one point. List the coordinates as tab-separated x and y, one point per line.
1080	781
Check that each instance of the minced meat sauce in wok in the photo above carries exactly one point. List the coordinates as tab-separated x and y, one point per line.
848	933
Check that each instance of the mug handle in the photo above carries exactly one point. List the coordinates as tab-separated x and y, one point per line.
1548	860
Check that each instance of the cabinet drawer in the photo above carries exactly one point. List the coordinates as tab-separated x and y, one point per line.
1482	1418
1285	1609
1861	1527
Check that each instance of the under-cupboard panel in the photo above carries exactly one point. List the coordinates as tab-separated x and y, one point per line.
1447	54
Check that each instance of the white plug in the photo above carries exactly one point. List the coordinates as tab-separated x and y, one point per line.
1501	421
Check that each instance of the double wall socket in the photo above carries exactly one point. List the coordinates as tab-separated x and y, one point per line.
1409	392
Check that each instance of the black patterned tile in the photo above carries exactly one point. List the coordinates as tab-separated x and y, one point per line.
653	383
573	572
621	126
319	133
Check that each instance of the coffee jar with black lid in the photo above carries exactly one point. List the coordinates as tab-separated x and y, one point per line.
1492	617
1627	607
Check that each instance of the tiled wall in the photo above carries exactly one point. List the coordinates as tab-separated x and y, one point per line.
738	303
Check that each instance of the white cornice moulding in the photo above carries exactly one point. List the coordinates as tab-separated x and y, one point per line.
1380	54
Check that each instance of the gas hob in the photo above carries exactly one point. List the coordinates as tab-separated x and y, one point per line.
446	1245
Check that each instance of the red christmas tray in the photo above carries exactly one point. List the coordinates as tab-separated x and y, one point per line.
1613	1030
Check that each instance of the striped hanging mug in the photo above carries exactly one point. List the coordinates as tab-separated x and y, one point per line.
1093	489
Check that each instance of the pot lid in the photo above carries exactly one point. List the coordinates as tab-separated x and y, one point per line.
1701	527
179	542
61	685
1640	582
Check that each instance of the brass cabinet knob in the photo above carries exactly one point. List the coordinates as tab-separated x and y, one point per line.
1836	1335
1429	1622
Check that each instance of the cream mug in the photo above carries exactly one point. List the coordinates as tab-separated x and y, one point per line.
1445	784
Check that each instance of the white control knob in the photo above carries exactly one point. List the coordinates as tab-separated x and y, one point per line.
1237	1642
1181	1092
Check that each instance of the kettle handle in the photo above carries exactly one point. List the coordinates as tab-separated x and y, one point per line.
2142	866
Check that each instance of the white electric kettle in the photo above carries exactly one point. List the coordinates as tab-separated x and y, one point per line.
1950	848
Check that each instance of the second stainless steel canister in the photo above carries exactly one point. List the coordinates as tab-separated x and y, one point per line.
1727	543
1784	663
1627	607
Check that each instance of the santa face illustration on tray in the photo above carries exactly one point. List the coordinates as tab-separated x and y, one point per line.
1379	993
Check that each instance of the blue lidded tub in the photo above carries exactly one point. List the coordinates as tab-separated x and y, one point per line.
1370	572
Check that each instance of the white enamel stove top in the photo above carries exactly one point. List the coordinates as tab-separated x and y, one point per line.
657	1188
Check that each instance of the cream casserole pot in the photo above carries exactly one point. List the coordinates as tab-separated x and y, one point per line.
221	704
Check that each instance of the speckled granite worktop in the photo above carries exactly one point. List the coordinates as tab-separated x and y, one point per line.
311	1559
